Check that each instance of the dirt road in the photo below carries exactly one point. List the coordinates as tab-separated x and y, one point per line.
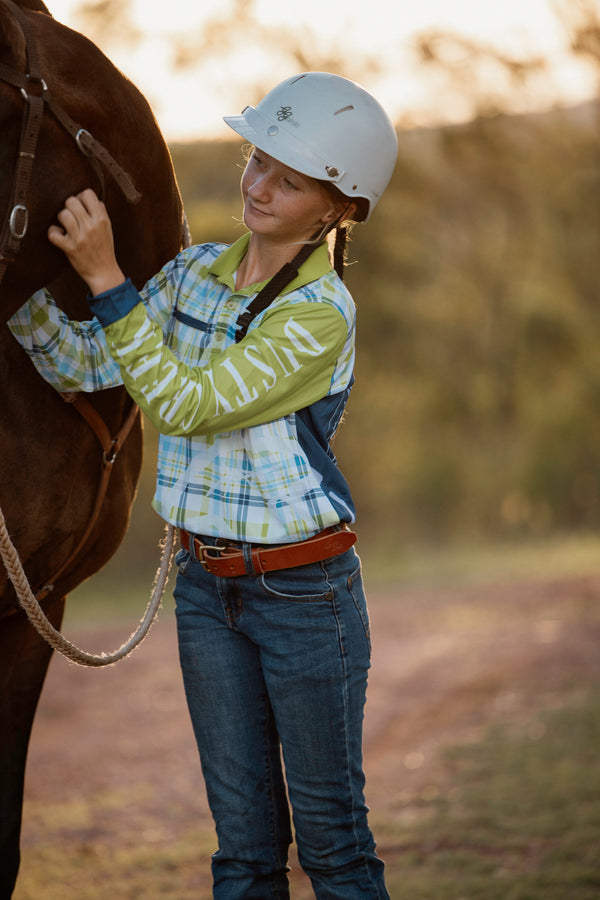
446	663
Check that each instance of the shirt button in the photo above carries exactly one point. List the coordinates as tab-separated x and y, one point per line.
231	304
219	336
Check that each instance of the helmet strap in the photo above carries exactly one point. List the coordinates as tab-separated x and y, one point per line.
289	271
273	288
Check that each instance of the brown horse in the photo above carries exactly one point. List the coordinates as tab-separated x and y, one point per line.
50	460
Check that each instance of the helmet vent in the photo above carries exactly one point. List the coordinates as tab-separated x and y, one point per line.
343	109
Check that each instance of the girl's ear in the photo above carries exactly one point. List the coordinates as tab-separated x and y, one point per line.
331	214
345	210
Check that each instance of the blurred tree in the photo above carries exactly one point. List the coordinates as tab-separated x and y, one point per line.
470	78
581	19
236	30
108	22
484	77
227	31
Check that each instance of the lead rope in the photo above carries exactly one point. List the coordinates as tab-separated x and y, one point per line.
58	641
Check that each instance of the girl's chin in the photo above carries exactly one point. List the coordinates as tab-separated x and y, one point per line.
256	221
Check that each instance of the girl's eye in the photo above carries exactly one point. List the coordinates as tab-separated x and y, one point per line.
290	184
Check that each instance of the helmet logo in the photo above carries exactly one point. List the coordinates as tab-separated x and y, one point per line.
283	113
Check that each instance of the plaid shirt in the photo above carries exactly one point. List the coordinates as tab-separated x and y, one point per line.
244	428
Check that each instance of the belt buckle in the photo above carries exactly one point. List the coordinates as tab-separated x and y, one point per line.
207	552
200	551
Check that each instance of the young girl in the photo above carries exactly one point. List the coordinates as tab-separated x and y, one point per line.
242	357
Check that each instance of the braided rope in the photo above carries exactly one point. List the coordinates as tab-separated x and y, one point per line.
58	641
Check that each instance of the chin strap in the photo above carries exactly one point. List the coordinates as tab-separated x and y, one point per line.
286	274
272	289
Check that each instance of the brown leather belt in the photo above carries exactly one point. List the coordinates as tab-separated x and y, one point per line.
235	559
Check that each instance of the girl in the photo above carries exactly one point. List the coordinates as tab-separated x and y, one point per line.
242	357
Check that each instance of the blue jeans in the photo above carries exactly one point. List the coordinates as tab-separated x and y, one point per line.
278	664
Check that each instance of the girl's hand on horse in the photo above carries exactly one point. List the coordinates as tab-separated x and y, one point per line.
85	236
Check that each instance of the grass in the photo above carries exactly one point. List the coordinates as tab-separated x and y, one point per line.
557	556
88	871
517	818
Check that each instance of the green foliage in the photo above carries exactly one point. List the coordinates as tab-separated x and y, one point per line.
209	174
476	409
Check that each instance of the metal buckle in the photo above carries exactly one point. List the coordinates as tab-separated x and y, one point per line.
83	132
18	234
33	80
207	552
199	551
109	457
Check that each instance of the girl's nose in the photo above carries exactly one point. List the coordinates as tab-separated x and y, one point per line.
260	186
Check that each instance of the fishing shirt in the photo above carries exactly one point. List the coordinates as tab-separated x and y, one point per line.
245	429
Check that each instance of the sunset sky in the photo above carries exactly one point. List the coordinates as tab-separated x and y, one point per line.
189	103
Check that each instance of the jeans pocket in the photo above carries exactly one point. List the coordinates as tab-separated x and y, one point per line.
184	561
356	589
303	584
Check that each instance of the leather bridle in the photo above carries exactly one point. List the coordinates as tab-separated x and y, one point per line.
34	90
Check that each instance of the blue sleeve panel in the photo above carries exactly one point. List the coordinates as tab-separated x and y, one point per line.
114	304
315	426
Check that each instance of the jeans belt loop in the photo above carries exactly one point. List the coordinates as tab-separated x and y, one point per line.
251	560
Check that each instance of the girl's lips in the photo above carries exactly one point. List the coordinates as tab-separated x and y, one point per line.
255	210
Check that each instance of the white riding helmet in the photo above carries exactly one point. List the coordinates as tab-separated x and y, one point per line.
327	127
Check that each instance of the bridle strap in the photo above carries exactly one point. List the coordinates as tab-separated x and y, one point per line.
89	146
17	219
111	447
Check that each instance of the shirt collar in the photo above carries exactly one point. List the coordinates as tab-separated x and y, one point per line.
226	264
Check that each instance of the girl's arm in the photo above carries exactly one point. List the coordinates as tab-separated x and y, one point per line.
71	356
298	354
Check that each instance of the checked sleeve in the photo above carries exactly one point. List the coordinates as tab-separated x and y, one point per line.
69	355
